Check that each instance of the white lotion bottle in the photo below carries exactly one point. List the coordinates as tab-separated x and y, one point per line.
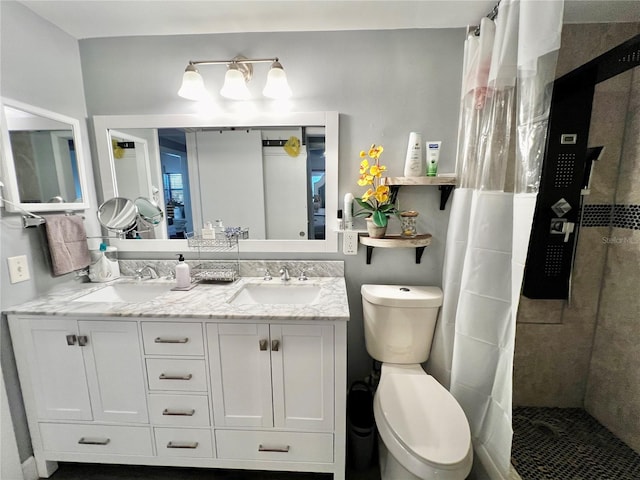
183	273
348	211
413	164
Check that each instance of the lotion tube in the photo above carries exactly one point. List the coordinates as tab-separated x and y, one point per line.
433	156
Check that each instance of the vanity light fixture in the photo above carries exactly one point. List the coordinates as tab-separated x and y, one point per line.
239	73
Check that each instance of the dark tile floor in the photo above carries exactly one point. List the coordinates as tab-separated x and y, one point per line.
568	444
79	471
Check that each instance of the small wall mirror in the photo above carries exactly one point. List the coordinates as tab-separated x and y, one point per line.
44	167
149	211
118	215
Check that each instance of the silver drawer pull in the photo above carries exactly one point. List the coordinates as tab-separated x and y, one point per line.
171	340
182	445
94	441
275	345
184	413
83	340
164	376
71	339
263	343
262	448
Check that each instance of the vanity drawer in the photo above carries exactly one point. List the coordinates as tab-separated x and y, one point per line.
161	338
184	442
107	439
176	375
179	410
281	446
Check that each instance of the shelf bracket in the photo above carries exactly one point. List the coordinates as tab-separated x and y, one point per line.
419	252
445	193
394	193
369	253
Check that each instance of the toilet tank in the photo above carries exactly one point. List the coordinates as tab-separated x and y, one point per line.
399	321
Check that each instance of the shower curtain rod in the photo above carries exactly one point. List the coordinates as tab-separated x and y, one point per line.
492	15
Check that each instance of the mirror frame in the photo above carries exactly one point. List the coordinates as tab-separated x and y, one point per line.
9	169
103	123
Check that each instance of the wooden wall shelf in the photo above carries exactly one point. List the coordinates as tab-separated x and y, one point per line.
419	242
445	183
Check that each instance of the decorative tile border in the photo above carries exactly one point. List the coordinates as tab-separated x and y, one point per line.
619	216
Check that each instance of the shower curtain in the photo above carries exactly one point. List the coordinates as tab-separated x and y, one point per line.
507	82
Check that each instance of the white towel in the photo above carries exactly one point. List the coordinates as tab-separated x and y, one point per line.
67	243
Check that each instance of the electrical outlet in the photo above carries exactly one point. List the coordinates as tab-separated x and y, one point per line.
18	269
350	242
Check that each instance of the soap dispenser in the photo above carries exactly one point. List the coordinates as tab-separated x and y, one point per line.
183	274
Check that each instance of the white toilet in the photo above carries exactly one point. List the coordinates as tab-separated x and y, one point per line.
424	432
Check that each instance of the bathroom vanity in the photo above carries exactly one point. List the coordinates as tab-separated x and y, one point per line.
213	377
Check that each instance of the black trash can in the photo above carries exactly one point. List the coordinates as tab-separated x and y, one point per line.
361	428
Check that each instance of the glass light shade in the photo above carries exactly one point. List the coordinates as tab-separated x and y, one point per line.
192	87
277	86
235	86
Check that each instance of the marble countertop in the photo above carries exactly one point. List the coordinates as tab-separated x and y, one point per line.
204	301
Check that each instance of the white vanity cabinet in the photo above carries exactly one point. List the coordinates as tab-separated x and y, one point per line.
233	393
272	375
84	370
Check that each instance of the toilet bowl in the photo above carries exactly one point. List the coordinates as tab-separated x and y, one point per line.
424	432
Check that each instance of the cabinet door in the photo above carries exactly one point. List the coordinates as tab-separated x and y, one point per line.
57	369
302	375
240	374
113	361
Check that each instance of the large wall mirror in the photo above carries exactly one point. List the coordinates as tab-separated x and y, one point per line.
43	163
276	176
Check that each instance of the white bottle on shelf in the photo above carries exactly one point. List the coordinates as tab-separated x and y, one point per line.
413	164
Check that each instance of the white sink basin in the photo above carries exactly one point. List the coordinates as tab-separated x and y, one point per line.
269	293
126	292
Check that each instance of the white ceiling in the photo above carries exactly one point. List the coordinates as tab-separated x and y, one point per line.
112	18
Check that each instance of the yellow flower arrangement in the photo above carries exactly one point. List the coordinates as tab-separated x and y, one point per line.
376	201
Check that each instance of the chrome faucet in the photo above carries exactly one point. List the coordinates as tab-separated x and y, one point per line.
284	274
153	274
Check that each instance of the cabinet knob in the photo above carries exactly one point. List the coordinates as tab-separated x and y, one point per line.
263	345
83	340
71	339
275	345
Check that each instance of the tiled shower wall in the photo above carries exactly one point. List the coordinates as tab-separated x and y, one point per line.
554	339
613	385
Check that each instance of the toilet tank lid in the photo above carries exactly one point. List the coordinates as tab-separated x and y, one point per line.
402	295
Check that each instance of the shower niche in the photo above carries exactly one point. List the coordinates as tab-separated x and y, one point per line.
566	172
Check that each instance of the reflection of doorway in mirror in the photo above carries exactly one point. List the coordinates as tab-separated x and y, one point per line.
175	175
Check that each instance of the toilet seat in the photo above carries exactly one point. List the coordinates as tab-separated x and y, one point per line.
421	423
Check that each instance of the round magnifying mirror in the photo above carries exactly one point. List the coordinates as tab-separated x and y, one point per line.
118	214
149	212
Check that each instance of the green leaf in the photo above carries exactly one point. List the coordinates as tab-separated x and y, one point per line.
388	208
363	204
379	218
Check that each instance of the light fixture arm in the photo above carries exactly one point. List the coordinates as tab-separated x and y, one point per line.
238	59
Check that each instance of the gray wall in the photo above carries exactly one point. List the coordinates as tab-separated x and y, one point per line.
385	84
40	66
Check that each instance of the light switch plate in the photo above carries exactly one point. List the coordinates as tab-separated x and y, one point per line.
350	242
18	269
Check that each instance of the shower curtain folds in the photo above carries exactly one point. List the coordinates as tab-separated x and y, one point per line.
507	76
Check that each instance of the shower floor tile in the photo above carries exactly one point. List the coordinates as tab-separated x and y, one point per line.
568	444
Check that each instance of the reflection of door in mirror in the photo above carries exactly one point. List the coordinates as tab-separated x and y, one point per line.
45	158
134	175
